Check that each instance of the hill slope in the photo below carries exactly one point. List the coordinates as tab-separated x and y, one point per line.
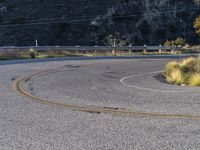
88	22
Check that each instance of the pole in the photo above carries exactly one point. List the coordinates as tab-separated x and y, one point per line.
145	49
36	43
160	50
114	45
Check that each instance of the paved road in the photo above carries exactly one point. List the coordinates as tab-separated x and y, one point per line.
25	124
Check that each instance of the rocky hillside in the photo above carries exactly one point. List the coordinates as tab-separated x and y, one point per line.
88	22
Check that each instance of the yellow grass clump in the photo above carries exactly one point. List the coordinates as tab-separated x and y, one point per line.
187	61
194	80
171	65
186	72
175	76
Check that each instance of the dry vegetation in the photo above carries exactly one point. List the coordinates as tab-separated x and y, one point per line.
6	55
186	72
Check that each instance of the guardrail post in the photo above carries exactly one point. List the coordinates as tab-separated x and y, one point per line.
95	52
129	50
36	43
113	52
145	49
172	51
160	50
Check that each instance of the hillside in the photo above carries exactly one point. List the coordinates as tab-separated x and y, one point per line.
88	22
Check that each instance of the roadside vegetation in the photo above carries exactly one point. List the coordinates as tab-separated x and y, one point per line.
178	42
32	54
186	72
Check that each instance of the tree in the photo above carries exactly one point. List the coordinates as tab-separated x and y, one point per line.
197	25
177	42
116	40
168	43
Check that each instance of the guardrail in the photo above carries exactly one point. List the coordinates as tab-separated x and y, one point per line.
91	48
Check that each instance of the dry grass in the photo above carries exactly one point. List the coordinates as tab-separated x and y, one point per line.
187	62
172	65
31	53
175	76
185	72
194	80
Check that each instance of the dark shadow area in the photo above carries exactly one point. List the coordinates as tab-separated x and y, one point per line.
160	78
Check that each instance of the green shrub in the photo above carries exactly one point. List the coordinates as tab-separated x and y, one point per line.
179	41
32	53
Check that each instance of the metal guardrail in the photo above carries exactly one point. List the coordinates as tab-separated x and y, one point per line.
90	48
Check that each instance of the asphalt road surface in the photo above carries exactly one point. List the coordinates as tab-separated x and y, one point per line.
118	83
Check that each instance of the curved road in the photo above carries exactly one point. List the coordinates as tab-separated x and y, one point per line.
124	83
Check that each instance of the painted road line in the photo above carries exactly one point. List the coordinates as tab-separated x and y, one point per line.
123	82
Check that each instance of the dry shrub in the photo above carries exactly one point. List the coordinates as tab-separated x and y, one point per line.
194	80
175	76
185	72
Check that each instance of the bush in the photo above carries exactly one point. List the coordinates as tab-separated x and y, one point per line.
194	80
179	41
175	76
188	65
197	25
185	72
187	61
172	65
32	53
197	65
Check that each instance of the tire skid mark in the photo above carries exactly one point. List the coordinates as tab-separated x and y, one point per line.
18	87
